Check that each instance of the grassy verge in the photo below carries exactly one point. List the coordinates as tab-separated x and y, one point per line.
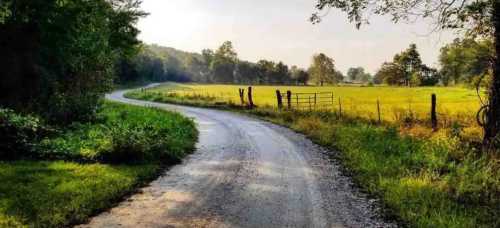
65	177
425	180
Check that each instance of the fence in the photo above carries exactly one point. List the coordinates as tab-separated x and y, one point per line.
378	110
326	101
306	101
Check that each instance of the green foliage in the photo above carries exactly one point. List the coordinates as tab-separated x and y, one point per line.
18	134
407	70
125	134
473	16
299	76
59	194
358	75
322	70
57	57
223	63
156	63
465	61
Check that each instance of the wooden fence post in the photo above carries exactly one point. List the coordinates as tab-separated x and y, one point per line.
333	102
340	108
242	96
315	101
378	111
309	100
280	99
250	99
433	112
289	99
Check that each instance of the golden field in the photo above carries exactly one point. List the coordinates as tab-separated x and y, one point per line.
453	103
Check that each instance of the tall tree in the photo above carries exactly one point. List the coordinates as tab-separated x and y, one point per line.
246	72
57	58
390	73
410	62
322	70
281	74
299	76
224	62
266	69
358	74
465	60
476	17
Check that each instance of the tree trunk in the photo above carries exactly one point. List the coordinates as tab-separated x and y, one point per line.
492	127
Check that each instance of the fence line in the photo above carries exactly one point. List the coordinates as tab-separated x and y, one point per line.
438	115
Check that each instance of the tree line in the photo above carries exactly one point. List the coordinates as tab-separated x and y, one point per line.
464	61
156	63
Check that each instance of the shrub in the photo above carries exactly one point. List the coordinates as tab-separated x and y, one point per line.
125	134
126	144
18	134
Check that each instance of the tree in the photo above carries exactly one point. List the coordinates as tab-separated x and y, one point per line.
390	73
338	76
224	63
58	58
354	73
281	74
322	70
265	69
208	57
366	77
246	72
476	17
428	76
410	62
358	74
299	76
463	61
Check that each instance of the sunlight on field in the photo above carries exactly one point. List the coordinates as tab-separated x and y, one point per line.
453	102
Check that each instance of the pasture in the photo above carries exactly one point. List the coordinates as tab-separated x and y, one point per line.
453	103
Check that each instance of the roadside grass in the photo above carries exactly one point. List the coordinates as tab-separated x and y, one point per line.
424	178
426	183
57	193
78	171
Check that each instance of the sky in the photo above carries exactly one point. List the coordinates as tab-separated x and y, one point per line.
279	30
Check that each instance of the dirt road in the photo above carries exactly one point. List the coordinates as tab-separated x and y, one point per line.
245	173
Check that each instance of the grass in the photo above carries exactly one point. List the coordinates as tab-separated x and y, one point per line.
88	167
426	183
424	178
57	193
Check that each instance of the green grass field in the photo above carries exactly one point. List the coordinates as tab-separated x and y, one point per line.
453	102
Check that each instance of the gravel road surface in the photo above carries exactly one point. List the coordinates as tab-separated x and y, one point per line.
245	173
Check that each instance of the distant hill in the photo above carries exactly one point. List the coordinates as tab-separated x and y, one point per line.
166	52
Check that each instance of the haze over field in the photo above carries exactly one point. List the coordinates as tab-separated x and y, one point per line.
276	30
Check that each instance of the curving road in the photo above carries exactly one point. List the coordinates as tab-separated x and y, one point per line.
245	173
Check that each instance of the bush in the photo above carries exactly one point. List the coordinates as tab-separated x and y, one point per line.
125	134
18	134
